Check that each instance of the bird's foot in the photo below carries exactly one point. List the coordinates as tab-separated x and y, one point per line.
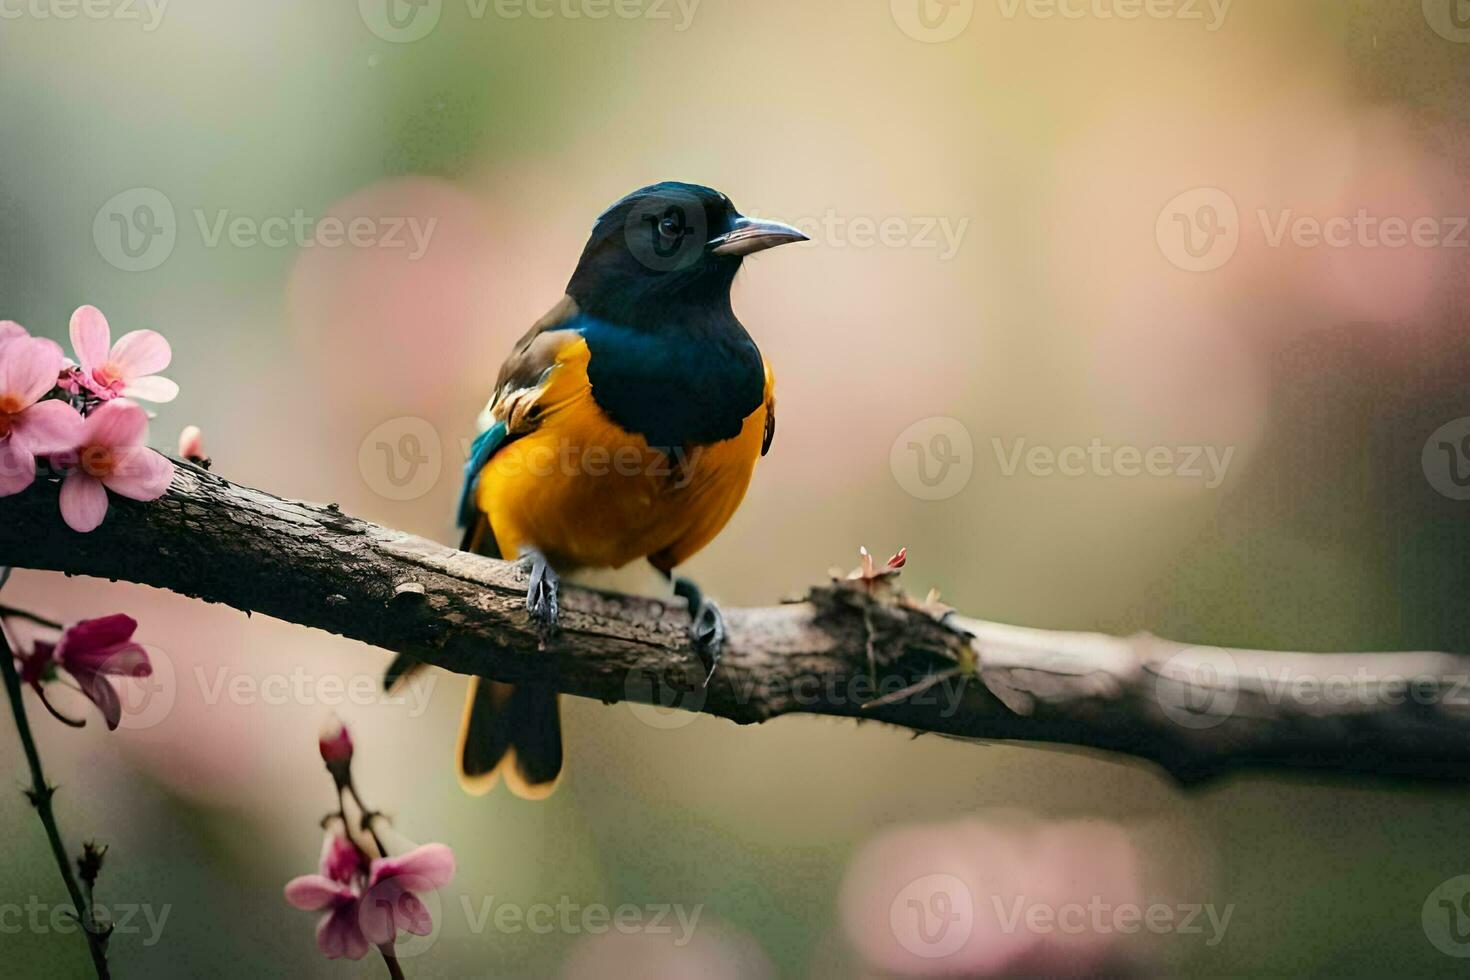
543	594
707	628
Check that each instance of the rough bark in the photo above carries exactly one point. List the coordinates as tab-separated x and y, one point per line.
1195	712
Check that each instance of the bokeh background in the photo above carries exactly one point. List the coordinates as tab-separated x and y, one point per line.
1067	156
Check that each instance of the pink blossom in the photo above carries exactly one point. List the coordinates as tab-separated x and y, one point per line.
29	426
123	369
94	648
9	330
394	884
191	443
337	889
368	907
335	743
111	456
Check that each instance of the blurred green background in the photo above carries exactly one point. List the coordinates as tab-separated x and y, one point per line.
1053	148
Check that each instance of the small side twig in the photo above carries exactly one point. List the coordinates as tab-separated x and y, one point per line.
40	793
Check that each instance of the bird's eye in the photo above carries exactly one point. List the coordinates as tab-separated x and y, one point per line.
669	227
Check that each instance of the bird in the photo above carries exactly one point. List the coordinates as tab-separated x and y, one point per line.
619	439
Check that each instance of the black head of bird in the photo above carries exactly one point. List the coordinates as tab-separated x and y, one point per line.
668	252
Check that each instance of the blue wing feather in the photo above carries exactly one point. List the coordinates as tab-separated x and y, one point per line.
481	450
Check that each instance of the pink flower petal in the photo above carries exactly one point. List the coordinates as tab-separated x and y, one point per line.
116	424
29	368
9	330
140	474
47	427
152	388
102	633
411	915
339	934
140	352
99	691
422	869
17	468
340	860
312	892
375	914
91	338
83	501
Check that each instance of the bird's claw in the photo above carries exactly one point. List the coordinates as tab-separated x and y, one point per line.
708	634
707	628
543	595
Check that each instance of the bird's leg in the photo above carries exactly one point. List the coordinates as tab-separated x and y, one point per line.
543	600
707	630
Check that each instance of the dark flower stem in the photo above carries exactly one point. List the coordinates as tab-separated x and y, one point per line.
14	613
390	959
394	970
40	796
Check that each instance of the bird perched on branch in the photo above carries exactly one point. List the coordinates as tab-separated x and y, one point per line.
619	440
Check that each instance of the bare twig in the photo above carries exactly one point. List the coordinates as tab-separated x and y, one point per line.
1195	712
40	794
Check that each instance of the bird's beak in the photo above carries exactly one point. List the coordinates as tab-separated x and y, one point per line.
753	235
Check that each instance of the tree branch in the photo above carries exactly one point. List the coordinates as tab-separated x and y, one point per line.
1196	712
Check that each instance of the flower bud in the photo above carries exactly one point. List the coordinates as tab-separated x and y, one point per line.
335	745
191	446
